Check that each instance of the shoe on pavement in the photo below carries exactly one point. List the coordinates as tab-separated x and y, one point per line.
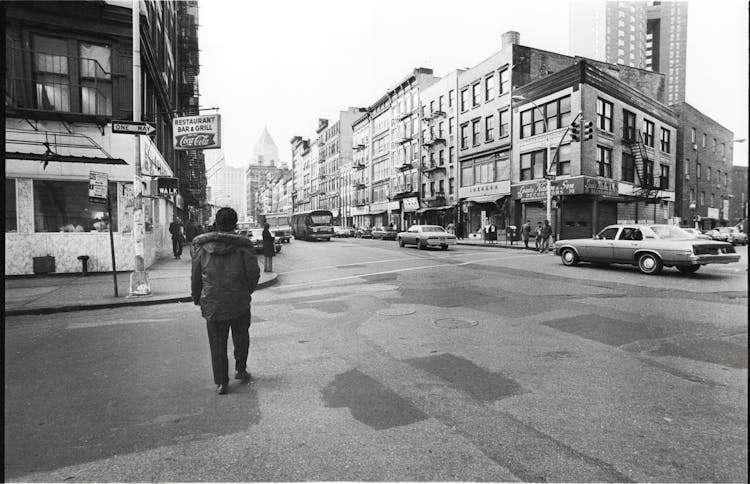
222	389
242	375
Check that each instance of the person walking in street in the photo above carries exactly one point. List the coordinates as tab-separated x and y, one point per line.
268	248
225	273
526	233
176	229
546	234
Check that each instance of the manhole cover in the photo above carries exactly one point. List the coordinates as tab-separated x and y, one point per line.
395	311
455	323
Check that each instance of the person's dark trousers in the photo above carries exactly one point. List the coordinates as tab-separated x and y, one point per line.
176	247
218	334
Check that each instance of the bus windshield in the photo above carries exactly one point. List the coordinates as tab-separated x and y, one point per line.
321	219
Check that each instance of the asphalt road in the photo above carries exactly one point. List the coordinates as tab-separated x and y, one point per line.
374	362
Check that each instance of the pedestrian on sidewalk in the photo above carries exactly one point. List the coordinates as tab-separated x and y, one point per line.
460	231
546	234
225	273
526	233
538	236
268	248
176	229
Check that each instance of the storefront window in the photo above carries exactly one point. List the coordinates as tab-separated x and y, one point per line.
63	206
467	175
11	216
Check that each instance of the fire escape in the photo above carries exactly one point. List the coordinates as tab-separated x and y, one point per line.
644	168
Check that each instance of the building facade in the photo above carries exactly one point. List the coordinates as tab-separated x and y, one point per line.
227	185
624	171
265	160
68	75
705	151
646	35
739	201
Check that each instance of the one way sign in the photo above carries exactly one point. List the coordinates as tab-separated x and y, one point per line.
132	127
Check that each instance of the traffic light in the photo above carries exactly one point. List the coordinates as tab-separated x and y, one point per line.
575	131
588	130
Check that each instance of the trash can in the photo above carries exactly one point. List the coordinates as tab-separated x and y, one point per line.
84	264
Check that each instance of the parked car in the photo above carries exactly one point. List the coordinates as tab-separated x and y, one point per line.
339	231
734	236
650	247
424	236
716	235
385	233
697	234
256	236
363	233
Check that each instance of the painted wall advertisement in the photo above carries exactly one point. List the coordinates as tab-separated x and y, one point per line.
197	132
569	186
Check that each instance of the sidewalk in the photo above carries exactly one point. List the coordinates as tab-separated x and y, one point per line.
504	244
169	278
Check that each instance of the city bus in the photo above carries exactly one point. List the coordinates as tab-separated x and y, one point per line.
312	225
279	225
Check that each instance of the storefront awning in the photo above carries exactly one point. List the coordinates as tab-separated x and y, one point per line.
484	198
53	146
430	209
376	213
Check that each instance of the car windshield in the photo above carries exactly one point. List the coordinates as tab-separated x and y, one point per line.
432	228
670	232
726	230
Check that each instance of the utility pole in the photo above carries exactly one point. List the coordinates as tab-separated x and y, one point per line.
139	285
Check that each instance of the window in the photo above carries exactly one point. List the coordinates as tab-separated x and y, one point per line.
475	94
450	126
450	186
713	200
488	88
432	189
698	170
703	141
504	124
504	81
665	140
464	99
648	135
451	154
441	188
432	107
708	174
11	216
63	206
713	145
692	135
553	115
533	164
628	168
604	115
561	162
604	161
441	157
475	132
489	128
77	80
664	177
451	95
441	124
703	198
440	103
467	174
464	136
726	181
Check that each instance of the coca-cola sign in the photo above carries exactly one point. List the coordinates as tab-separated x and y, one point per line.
197	132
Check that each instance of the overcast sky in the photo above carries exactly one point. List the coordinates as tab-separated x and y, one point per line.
285	63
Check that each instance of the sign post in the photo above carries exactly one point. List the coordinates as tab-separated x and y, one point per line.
98	193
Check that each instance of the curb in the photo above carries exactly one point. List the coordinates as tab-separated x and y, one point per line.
118	304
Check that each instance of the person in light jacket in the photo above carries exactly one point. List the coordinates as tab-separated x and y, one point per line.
224	275
268	248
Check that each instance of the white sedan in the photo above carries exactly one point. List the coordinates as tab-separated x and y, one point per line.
424	236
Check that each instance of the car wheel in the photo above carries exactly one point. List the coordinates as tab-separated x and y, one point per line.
650	264
688	269
422	244
569	257
401	242
444	247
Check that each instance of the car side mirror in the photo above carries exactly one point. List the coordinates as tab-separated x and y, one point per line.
596	237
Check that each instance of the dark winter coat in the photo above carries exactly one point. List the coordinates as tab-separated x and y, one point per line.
224	275
175	229
546	231
268	246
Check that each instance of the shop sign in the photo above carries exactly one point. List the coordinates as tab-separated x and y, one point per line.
713	213
600	186
394	205
197	132
411	204
360	210
166	185
567	186
98	187
500	189
726	209
378	207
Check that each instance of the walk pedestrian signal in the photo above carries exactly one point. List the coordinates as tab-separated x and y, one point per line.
575	131
588	130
